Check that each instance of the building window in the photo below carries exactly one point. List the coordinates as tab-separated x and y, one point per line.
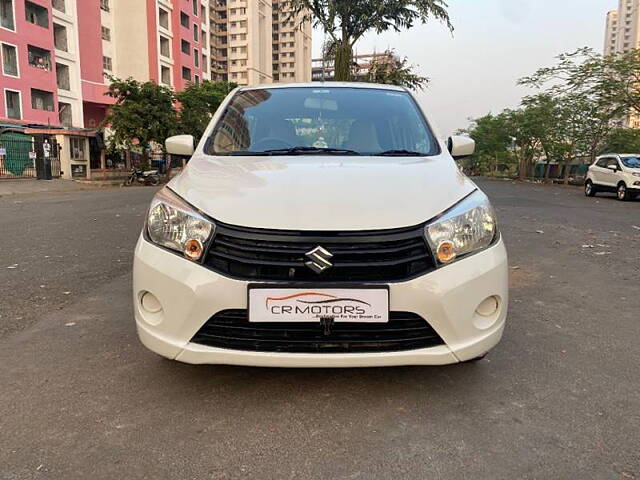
165	47
196	32
78	148
196	58
186	47
106	34
184	20
62	76
165	75
41	100
204	63
9	60
197	80
107	64
65	114
59	5
186	73
203	38
39	57
104	5
6	15
36	14
60	37
195	7
163	18
12	103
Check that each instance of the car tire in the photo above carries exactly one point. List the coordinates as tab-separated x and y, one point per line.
590	189
622	192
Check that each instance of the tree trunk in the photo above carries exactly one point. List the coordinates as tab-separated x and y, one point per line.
343	61
567	170
522	173
547	169
145	158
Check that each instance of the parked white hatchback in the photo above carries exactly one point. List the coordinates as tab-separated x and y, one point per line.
321	225
614	173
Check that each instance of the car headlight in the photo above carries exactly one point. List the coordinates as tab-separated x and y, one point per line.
174	224
467	227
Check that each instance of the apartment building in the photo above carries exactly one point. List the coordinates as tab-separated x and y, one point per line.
257	42
57	55
291	46
622	29
622	34
611	33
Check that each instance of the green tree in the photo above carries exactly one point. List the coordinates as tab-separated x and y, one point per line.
143	114
198	103
493	137
614	80
622	140
397	72
547	118
593	92
346	21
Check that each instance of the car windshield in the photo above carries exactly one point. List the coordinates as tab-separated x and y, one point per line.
322	120
631	162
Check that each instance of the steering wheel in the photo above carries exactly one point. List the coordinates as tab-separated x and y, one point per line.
270	143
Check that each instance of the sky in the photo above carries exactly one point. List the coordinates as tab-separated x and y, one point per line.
495	42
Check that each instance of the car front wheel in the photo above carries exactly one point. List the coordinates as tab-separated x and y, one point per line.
589	189
623	193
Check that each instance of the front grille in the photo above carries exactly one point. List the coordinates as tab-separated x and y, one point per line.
279	255
232	330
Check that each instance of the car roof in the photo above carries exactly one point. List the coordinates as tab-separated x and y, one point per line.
364	85
621	155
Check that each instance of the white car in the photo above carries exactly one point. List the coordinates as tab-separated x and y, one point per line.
614	173
321	225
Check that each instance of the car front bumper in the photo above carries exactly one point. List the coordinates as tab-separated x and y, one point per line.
447	298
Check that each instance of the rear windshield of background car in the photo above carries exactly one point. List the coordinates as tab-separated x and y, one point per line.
365	121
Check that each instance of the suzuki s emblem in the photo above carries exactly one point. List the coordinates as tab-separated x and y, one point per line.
319	259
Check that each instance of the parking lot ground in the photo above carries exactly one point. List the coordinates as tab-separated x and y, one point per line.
558	398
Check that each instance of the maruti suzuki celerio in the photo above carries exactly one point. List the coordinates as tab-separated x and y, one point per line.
321	225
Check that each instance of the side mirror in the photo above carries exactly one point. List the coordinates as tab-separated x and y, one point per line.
460	147
612	168
180	145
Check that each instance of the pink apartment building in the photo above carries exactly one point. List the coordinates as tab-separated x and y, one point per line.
56	55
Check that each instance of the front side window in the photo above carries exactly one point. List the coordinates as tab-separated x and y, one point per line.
631	162
613	163
349	121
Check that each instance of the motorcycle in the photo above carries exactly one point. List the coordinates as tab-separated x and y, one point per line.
149	177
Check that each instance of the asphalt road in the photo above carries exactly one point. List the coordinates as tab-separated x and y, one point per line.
81	398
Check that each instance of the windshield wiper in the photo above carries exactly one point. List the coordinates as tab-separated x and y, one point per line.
400	153
300	151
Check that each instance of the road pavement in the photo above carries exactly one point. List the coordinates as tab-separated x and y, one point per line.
81	398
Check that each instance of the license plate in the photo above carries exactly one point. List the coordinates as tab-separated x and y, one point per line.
358	305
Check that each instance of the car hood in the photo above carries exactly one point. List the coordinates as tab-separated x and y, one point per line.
322	192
